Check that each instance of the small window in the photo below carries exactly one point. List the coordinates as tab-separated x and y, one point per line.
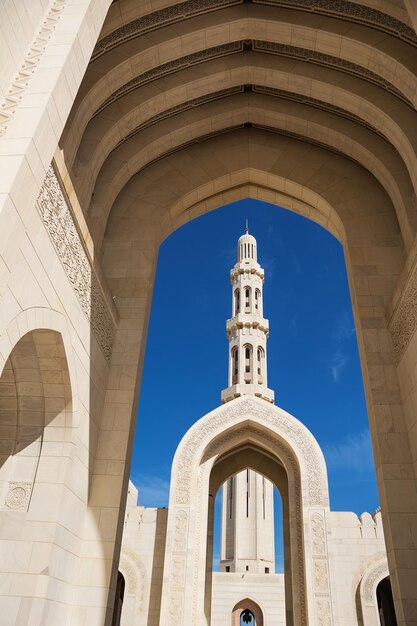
266	570
247	353
247	568
227	568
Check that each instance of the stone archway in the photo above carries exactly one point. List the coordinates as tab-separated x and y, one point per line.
287	443
247	605
316	81
375	571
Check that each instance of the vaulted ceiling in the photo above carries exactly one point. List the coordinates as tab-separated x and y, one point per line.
181	95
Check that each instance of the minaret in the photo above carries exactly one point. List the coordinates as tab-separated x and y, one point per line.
247	331
247	535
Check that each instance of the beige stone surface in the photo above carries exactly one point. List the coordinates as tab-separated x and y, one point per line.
316	113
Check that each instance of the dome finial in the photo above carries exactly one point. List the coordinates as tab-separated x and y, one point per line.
247	227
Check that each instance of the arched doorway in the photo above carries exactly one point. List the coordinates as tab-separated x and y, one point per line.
247	613
386	610
245	433
118	600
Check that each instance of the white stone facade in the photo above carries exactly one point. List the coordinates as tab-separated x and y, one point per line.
119	122
244	447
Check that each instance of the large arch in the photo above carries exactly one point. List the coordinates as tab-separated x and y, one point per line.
198	470
343	79
375	570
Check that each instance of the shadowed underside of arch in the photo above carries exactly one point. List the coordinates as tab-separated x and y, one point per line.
306	104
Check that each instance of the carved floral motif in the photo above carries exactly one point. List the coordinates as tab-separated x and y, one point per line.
318	535
18	496
229	414
180	531
56	216
403	323
371	580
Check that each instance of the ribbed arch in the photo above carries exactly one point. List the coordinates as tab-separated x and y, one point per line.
108	186
117	77
281	83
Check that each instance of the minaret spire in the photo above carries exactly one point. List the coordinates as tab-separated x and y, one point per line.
247	330
247	536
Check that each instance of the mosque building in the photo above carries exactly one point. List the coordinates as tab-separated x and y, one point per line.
335	564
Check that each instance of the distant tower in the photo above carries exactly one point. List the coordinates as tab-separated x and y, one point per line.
247	331
247	535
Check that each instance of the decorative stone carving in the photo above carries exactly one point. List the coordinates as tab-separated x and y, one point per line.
172	66
371	580
56	215
18	496
317	534
317	104
321	577
328	60
180	529
178	572
218	448
175	609
158	19
323	612
129	574
229	414
27	69
180	108
349	11
403	323
136	577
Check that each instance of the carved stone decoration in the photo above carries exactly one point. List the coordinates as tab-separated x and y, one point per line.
136	577
230	413
178	572
31	61
328	60
172	66
318	538
317	104
351	12
56	215
175	609
18	496
324	617
180	526
158	19
181	108
321	576
403	323
342	9
371	580
218	448
270	91
129	574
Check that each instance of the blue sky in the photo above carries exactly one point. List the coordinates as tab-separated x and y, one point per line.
313	362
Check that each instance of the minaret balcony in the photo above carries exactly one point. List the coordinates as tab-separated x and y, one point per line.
247	320
246	389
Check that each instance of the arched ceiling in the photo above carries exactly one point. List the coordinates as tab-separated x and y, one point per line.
330	80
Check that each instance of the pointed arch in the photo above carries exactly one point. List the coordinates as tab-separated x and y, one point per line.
247	604
249	432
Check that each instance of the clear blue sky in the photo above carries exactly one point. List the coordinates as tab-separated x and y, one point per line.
313	362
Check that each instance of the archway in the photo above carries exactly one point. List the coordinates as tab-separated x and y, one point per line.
118	604
385	601
36	419
277	442
247	612
337	92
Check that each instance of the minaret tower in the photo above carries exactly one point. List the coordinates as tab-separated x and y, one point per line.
247	331
247	535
